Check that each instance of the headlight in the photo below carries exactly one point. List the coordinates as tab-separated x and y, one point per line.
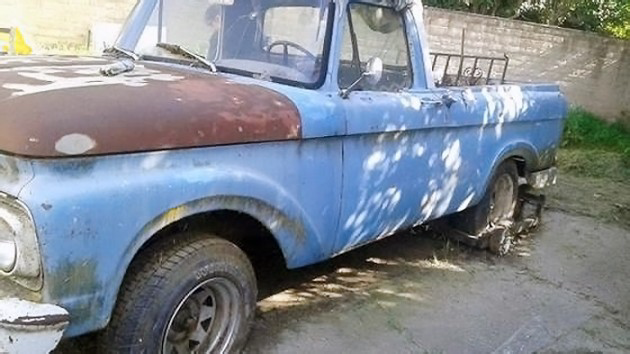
19	250
8	253
8	248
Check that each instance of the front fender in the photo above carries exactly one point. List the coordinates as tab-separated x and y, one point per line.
255	196
239	191
93	215
518	149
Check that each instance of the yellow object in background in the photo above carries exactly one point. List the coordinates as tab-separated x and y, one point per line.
12	42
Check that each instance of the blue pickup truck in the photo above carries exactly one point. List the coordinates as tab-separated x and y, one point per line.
136	188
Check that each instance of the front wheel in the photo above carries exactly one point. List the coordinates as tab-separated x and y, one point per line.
192	293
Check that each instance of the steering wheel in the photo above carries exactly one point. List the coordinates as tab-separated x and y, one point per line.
286	45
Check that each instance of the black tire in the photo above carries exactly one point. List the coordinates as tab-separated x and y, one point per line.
174	277
476	219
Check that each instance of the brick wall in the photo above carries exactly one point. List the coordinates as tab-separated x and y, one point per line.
592	70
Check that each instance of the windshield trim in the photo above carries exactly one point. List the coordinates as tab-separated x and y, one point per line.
327	46
131	31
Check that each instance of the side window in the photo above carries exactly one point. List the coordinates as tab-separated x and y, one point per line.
374	31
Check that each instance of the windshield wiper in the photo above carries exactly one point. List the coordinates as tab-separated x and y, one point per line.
118	51
179	50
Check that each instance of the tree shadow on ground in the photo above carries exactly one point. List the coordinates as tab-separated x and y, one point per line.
286	296
354	277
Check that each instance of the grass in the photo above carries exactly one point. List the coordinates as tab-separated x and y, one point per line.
594	148
595	165
586	130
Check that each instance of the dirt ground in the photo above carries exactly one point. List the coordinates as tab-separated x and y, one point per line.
565	289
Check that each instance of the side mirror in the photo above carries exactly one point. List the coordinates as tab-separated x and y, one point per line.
373	70
372	75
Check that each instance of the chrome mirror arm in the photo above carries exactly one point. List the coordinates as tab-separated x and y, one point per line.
346	92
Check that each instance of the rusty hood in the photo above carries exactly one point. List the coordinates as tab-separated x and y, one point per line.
62	106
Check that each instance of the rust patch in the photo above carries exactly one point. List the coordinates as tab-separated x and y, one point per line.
74	279
155	107
50	320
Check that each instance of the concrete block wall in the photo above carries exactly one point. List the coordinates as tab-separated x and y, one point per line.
593	71
61	25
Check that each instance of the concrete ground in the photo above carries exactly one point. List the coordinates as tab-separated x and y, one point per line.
565	289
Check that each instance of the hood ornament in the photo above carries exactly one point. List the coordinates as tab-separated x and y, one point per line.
117	68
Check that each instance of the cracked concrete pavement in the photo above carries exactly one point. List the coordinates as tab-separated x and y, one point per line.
566	289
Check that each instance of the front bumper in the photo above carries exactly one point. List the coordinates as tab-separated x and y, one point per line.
542	179
29	327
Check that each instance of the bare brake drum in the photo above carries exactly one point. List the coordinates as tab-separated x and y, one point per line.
499	238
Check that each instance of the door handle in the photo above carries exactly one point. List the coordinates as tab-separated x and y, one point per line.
447	100
432	102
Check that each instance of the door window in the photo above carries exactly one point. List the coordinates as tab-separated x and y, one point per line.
374	31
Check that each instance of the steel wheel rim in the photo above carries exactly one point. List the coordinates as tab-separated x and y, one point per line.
502	201
205	320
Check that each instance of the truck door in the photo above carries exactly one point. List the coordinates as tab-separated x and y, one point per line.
387	157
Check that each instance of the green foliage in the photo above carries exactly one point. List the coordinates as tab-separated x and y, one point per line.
594	163
620	28
592	147
610	17
503	8
585	130
605	16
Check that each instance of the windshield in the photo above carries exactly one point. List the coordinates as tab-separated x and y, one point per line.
279	40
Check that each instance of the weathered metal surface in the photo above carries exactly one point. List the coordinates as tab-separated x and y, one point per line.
28	327
543	179
85	258
50	108
14	174
419	162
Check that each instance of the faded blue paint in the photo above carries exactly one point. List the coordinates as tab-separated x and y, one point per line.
99	211
406	166
366	167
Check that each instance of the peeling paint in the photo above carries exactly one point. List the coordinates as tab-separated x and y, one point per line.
73	279
15	311
75	144
52	78
155	107
28	327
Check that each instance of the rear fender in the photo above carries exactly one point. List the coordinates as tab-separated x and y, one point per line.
521	150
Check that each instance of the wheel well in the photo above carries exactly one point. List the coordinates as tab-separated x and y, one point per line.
245	231
521	165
